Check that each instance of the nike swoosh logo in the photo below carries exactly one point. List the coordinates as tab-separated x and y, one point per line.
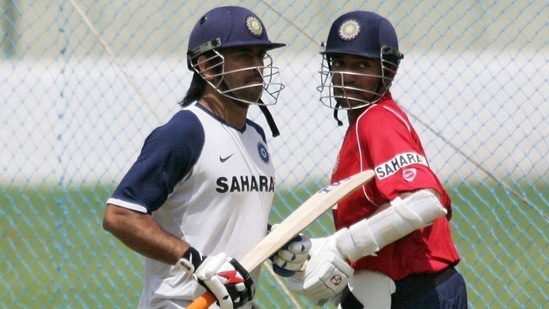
223	159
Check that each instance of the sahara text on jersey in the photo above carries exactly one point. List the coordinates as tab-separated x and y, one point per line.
245	184
390	167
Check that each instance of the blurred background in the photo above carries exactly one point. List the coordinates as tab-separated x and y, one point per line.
82	83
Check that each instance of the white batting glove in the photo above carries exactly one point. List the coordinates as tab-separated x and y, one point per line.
292	256
326	274
223	276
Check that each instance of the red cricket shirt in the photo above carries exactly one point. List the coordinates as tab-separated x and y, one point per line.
384	140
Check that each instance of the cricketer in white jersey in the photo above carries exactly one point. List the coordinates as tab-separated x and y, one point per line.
206	182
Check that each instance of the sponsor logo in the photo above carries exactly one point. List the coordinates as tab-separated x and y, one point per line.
409	174
336	280
223	159
398	162
245	184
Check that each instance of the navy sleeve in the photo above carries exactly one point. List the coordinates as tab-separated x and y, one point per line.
168	154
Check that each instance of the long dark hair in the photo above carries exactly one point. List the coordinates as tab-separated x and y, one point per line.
198	83
195	91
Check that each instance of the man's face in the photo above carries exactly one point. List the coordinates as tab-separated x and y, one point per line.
355	79
244	72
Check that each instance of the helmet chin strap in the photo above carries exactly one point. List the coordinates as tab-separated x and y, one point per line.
270	120
336	109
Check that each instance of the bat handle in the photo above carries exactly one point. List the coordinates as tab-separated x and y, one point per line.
203	301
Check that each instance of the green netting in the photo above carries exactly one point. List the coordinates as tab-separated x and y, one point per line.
83	83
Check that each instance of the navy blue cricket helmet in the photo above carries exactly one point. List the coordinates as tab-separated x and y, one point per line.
227	26
363	33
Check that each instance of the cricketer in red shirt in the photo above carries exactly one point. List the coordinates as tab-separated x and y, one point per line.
384	140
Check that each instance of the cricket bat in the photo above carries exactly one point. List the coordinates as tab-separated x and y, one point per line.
296	222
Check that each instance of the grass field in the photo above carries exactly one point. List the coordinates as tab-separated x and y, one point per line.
54	253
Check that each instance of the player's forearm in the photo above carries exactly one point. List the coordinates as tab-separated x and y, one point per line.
417	210
142	234
404	195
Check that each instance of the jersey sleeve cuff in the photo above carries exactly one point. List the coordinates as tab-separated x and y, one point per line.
127	205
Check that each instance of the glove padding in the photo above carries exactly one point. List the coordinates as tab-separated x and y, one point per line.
227	280
326	274
292	256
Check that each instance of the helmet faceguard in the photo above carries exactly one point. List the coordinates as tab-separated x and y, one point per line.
363	34
227	27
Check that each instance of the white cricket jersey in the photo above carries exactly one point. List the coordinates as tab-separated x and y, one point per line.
206	182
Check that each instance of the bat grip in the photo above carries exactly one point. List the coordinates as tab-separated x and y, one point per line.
203	301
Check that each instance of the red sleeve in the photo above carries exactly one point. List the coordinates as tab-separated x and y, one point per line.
395	153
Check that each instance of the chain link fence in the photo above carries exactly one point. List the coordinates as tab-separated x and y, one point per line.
83	82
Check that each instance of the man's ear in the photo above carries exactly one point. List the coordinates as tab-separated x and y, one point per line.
204	67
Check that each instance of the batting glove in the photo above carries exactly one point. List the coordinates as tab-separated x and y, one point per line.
292	256
326	273
222	276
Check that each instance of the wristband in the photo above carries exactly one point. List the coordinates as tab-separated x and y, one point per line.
191	260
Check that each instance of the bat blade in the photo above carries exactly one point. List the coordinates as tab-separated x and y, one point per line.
296	222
